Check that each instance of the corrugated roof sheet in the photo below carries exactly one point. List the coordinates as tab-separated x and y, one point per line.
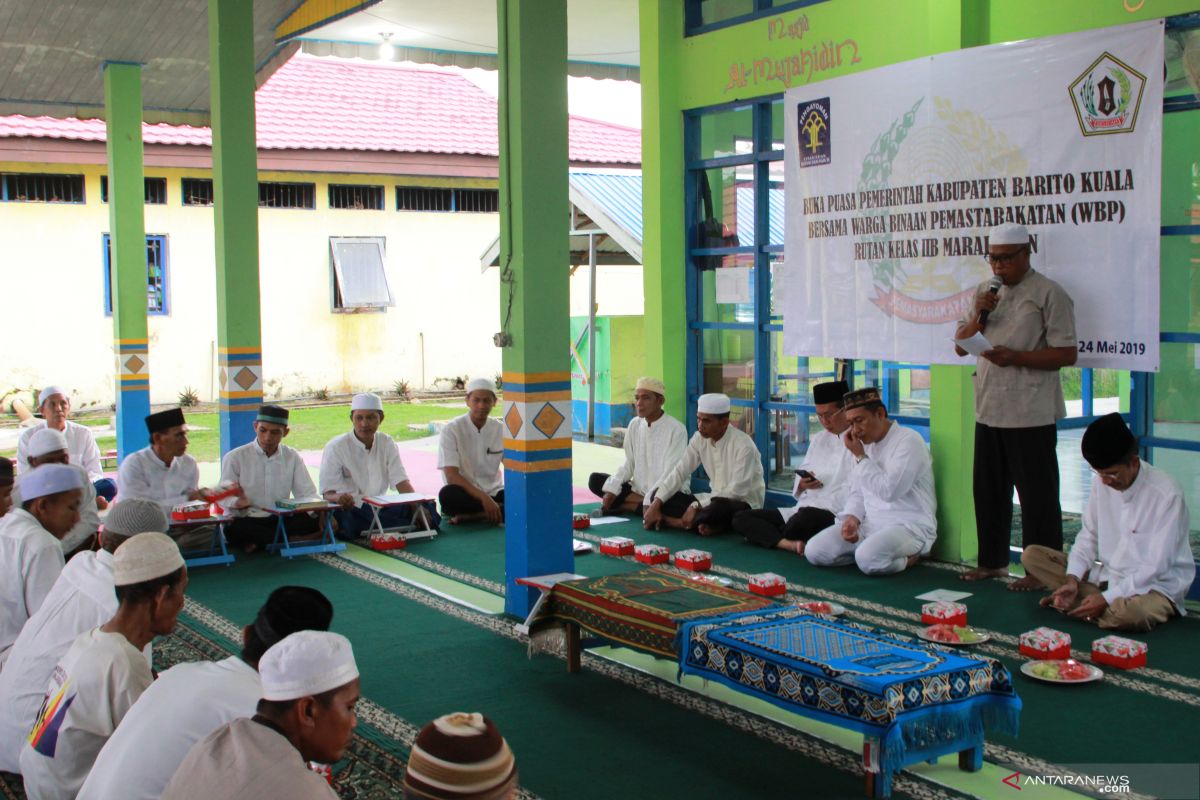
620	196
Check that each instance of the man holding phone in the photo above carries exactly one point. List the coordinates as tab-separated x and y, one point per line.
820	487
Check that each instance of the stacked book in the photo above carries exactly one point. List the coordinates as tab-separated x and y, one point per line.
302	503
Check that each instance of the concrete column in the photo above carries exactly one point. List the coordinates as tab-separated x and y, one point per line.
534	298
235	211
127	227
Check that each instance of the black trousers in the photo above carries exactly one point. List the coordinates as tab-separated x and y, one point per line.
765	527
261	530
717	514
1023	458
596	487
456	500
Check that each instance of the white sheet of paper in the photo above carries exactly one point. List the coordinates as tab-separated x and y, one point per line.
407	497
608	520
975	345
733	285
582	546
949	595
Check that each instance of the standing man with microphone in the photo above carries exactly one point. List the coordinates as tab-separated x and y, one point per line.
1030	322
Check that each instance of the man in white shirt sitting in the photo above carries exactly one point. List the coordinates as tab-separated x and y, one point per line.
365	463
49	446
189	701
1131	565
654	443
55	407
470	455
734	469
267	471
82	598
889	520
820	487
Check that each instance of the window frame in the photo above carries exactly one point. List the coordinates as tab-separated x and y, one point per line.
337	276
156	238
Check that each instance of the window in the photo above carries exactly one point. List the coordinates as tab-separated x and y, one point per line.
32	188
156	274
156	190
196	191
417	198
352	196
702	16
359	279
287	195
479	201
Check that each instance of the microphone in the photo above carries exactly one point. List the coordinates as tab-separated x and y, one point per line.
993	287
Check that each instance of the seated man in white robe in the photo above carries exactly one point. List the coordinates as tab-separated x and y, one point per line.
55	407
310	688
1131	565
191	700
6	485
104	671
31	557
654	443
889	520
470	454
365	463
734	469
820	486
48	446
82	598
267	471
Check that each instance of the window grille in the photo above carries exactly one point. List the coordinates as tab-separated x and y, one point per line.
156	190
156	274
419	198
354	196
478	201
197	191
287	195
38	188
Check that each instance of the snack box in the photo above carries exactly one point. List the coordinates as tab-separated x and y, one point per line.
768	584
1046	643
388	541
232	490
1119	652
197	509
617	546
581	521
651	554
941	612
694	560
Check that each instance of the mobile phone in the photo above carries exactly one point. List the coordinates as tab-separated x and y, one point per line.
803	473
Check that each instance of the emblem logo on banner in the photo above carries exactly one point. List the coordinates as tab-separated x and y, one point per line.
816	143
1107	97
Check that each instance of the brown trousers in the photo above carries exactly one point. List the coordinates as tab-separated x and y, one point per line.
1138	613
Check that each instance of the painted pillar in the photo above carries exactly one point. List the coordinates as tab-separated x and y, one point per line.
664	276
127	226
235	210
534	300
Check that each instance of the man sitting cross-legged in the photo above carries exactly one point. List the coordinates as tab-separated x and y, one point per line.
470	454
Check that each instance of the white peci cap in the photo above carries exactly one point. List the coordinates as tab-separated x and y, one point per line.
713	404
481	385
1009	233
45	441
145	556
367	401
306	663
49	479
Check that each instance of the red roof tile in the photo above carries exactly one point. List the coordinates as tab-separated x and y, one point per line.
315	103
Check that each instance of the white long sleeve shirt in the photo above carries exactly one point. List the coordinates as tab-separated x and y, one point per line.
265	479
31	560
89	515
477	452
733	466
1140	535
651	450
348	467
893	486
81	447
830	462
144	476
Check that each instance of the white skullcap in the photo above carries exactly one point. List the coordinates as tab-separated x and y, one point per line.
132	515
144	557
481	384
366	402
49	479
651	385
713	404
46	440
49	392
1009	233
306	663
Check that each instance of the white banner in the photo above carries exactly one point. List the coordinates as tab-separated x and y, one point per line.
895	176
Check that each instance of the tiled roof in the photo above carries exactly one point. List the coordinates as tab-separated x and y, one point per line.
315	103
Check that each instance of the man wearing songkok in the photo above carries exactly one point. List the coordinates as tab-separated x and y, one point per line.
1131	565
82	598
654	443
820	486
49	446
31	558
166	474
460	757
191	700
364	463
734	470
104	671
309	691
889	519
6	485
55	407
470	452
267	471
1030	322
